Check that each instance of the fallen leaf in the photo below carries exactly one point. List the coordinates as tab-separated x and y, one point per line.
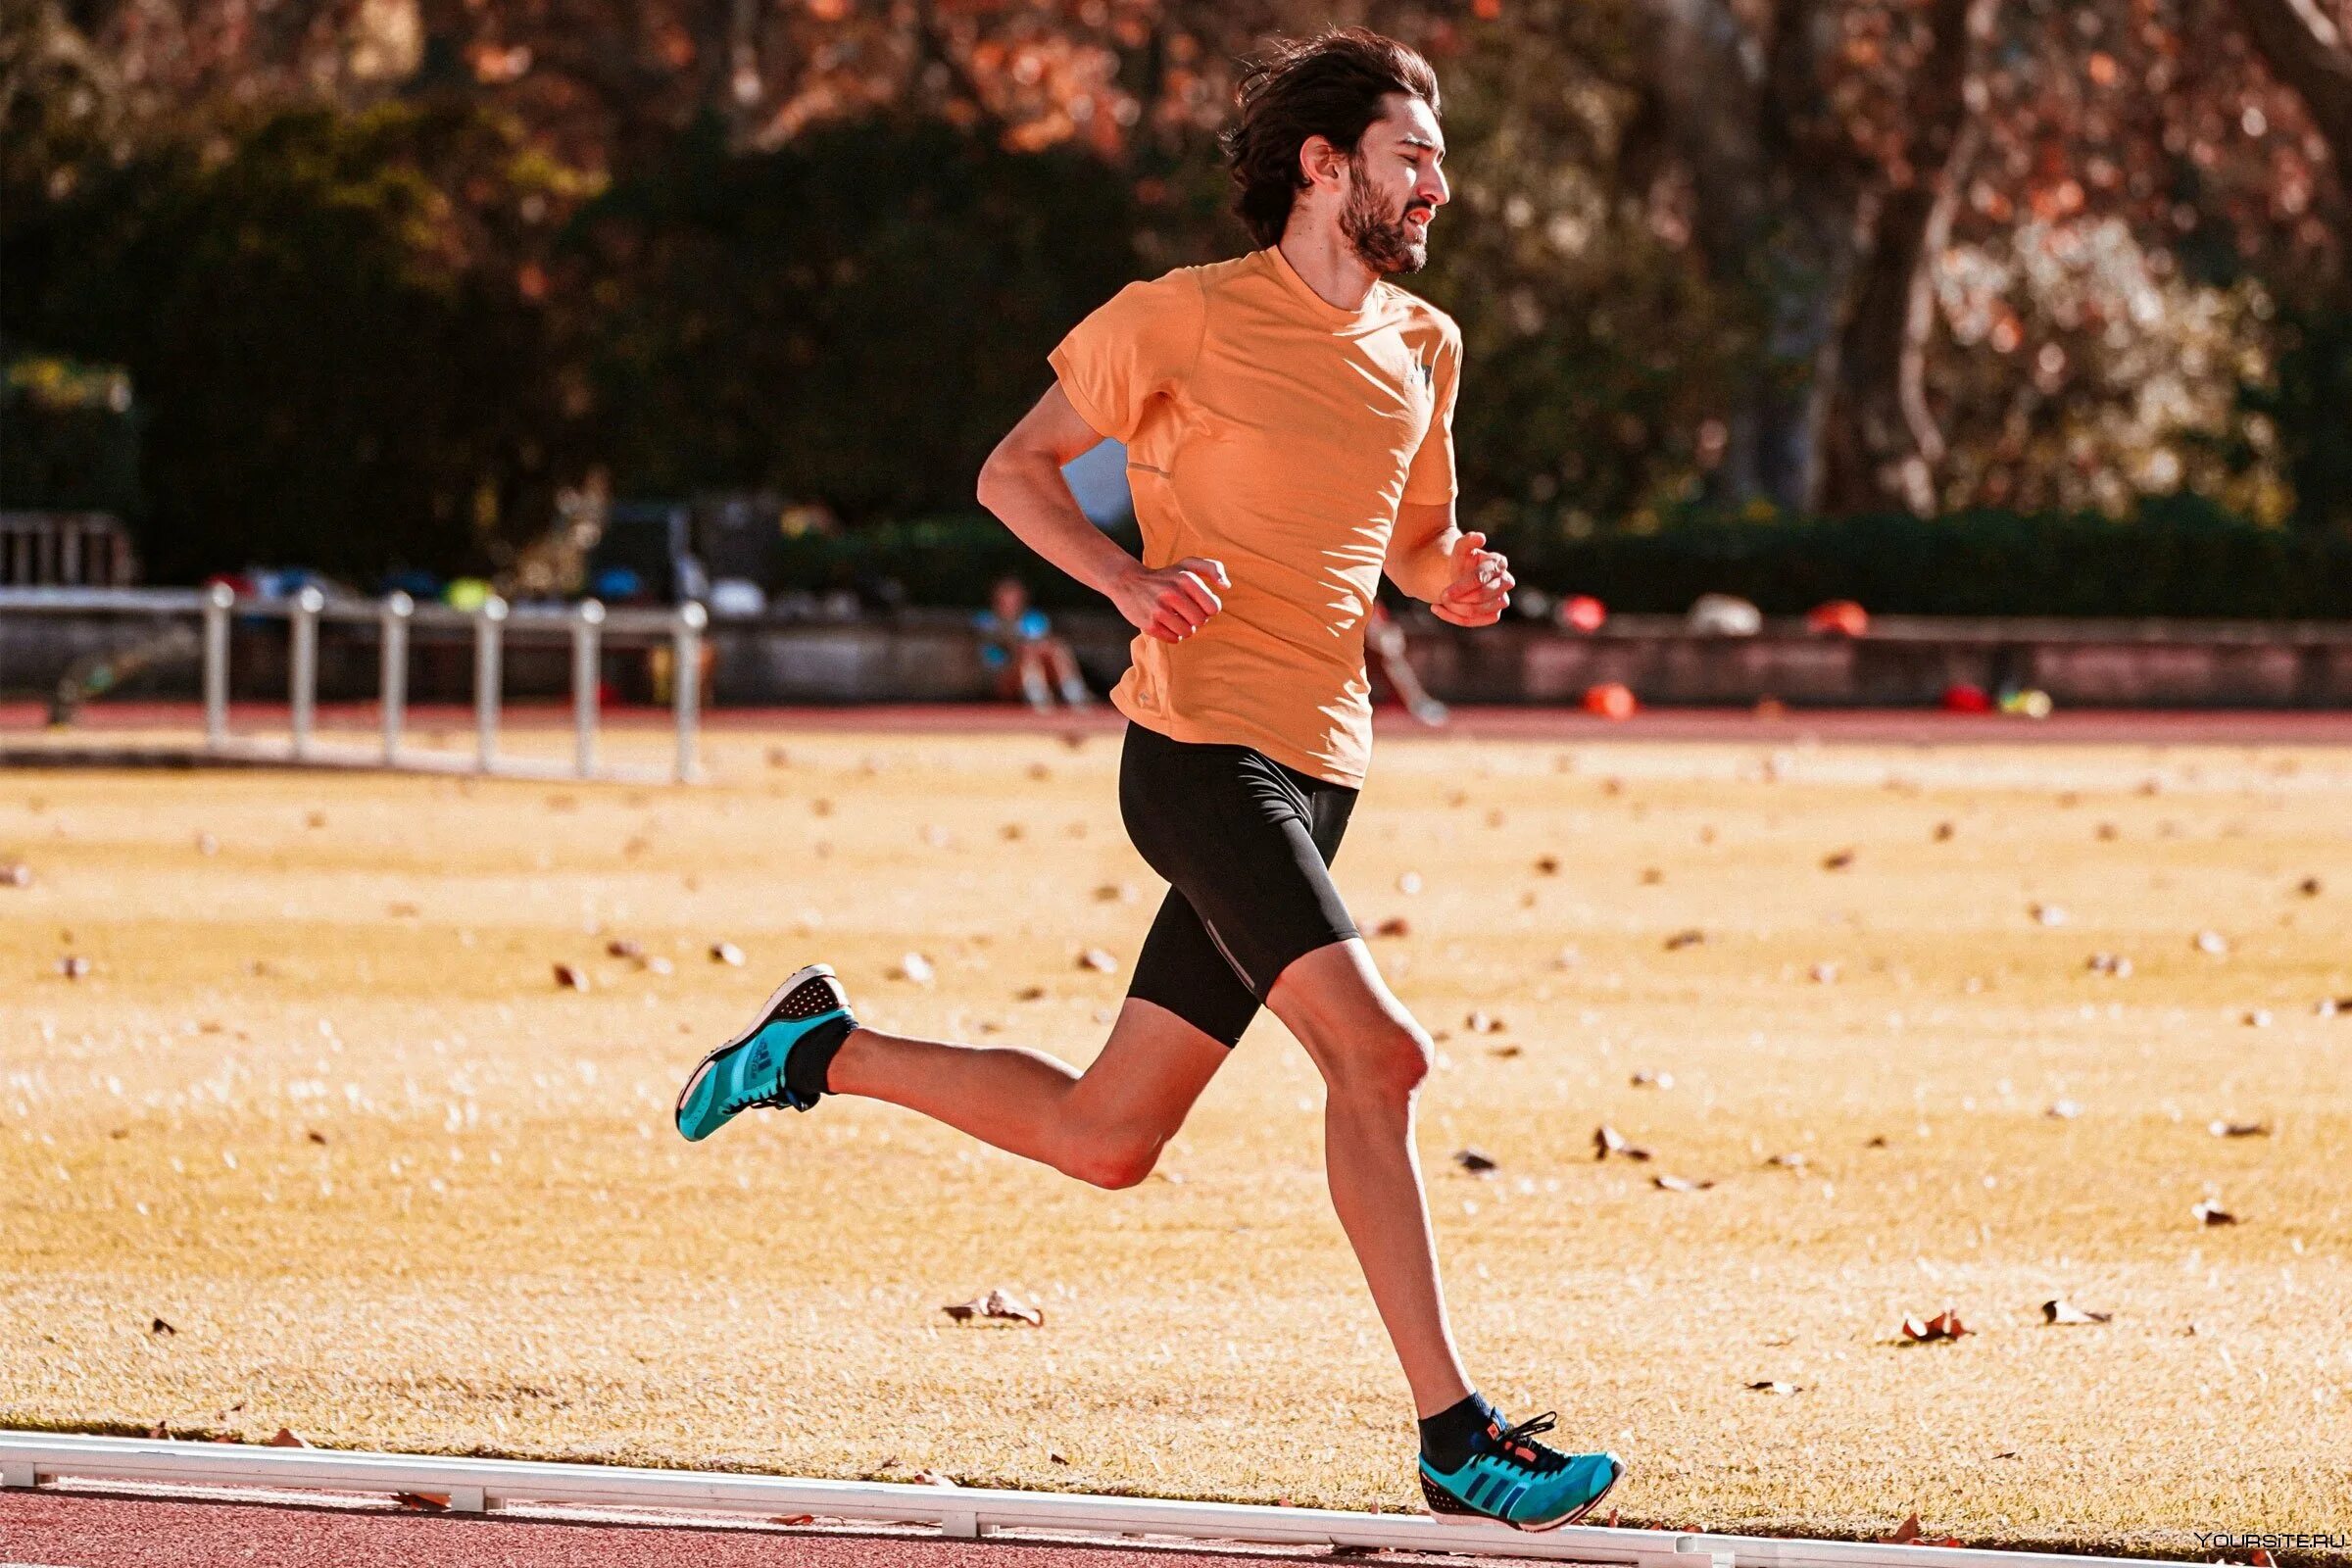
1773	1386
2258	1018
570	979
1945	832
1476	1163
1651	876
2046	914
1113	892
1505	1051
1055	1458
316	819
726	953
1838	860
793	1519
1680	1184
1029	994
402	909
2309	887
2105	832
15	874
1649	1079
1395	925
1875	1141
2110	963
1945	1325
2212	1213
1099	961
1824	973
286	1438
430	1501
2212	942
915	967
997	1304
1685	939
2064	1110
2239	1129
1788	1162
1608	1141
1548	866
73	967
315	1136
2067	1314
930	1478
161	1329
624	948
1481	1022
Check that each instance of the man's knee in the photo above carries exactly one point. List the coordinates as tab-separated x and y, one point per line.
1112	1157
1384	1061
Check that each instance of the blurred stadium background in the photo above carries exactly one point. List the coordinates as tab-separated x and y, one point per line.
1983	307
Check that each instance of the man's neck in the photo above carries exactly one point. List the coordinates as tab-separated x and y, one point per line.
1327	263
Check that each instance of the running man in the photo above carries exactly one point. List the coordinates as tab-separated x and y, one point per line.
1288	418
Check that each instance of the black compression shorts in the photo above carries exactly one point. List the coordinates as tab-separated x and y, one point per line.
1245	844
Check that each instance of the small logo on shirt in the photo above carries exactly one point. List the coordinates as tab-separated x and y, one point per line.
1426	372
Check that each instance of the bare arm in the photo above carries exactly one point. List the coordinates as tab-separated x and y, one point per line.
1461	581
1022	483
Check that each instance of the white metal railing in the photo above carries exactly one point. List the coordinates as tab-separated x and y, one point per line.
397	616
471	1486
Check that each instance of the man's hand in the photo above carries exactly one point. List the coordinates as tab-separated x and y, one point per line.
1481	588
1172	603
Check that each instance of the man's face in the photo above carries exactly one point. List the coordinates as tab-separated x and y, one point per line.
1395	186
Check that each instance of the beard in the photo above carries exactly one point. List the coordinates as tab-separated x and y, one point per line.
1382	241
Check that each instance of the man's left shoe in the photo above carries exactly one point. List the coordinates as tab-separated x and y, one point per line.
748	1069
1514	1480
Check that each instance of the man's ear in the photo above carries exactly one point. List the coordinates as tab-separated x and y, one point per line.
1320	161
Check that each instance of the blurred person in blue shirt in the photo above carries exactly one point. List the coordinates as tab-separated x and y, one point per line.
1021	654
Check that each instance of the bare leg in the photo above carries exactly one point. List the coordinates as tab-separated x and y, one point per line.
1106	1125
1373	1058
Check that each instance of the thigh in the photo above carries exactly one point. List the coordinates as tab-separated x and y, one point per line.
1235	833
1148	1074
1181	970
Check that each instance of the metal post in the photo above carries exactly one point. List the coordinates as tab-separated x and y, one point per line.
584	671
395	655
303	668
216	602
686	685
488	624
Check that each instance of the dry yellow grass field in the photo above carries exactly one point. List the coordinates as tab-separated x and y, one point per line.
318	1104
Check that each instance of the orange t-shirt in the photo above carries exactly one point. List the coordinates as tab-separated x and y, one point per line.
1274	431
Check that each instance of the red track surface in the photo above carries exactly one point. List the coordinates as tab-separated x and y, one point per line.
84	1530
1896	726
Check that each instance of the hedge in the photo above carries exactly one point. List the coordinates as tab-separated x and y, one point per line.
2179	561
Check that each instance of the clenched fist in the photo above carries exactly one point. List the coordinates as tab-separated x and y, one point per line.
1481	585
1174	601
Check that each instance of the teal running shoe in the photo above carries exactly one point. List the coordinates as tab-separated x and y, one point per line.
747	1071
1513	1480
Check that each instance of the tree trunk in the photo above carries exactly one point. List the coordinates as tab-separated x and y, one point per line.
1882	444
1776	214
2308	52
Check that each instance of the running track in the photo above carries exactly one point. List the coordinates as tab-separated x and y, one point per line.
80	1529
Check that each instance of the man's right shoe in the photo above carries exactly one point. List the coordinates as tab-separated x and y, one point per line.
1514	1480
749	1070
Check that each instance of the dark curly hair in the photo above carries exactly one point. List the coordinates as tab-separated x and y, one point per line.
1330	85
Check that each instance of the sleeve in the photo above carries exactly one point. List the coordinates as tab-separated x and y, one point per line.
1144	342
1430	480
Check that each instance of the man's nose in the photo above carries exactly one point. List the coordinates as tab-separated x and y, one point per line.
1432	190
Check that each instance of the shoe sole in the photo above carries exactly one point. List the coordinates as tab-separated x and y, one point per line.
1446	1508
792	982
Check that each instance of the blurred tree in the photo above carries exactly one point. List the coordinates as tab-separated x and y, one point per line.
758	319
342	366
1823	141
